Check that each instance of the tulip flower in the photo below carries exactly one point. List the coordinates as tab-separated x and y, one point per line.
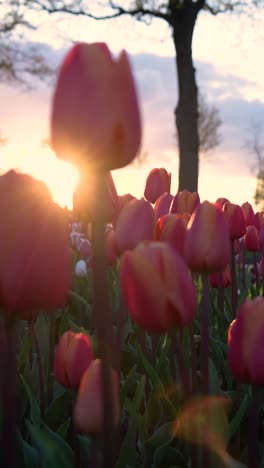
259	219
88	411
252	239
207	245
157	183
220	202
249	214
74	355
236	220
185	202
245	341
162	205
214	278
95	121
134	224
173	230
35	267
157	287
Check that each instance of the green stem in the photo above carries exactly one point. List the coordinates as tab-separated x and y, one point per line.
103	320
52	323
205	336
233	280
40	371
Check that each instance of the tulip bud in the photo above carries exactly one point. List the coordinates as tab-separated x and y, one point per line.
157	287
207	245
162	205
245	341
134	224
259	220
157	183
249	214
220	202
252	239
74	355
95	120
88	411
185	202
173	229
236	220
35	267
214	278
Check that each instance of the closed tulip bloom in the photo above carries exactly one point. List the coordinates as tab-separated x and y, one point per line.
88	411
35	267
185	202
173	230
134	224
252	239
236	220
214	278
220	202
249	214
245	341
157	287
95	121
157	183
74	355
162	205
207	245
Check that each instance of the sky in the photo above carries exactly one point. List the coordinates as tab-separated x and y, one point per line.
226	53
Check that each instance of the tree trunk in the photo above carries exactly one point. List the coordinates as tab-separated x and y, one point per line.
186	112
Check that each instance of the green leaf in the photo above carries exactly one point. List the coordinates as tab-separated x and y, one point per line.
31	456
129	447
166	457
58	410
34	406
236	421
163	435
53	450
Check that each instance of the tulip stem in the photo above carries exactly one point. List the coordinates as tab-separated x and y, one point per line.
40	371
194	360
205	336
8	443
253	428
185	381
52	323
256	271
103	320
233	280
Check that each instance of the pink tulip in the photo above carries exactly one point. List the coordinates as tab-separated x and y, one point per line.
134	224
185	202
162	205
245	341
220	202
252	239
88	411
157	287
74	355
173	229
249	214
236	220
157	183
35	267
95	121
207	245
214	278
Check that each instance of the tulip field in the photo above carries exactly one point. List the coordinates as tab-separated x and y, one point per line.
131	328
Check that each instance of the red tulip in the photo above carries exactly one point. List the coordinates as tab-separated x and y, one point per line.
157	183
185	202
35	267
162	205
74	355
236	220
134	224
173	228
157	287
88	411
245	341
214	278
95	120
259	220
207	245
252	239
249	214
221	201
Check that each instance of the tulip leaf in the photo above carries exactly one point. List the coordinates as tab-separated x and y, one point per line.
127	384
54	451
34	406
58	410
129	447
163	435
236	421
31	456
167	457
